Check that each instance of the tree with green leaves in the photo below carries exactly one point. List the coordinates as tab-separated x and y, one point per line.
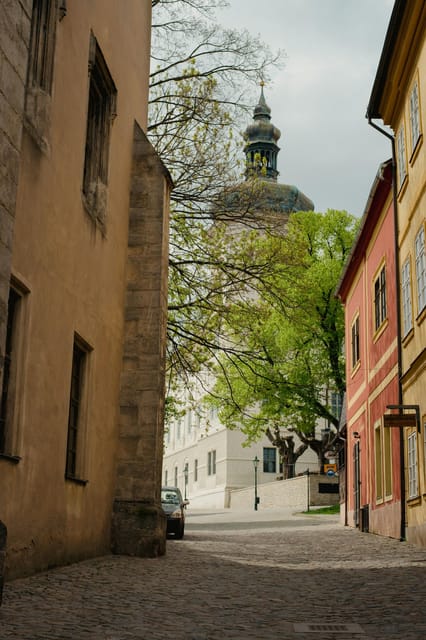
295	328
202	82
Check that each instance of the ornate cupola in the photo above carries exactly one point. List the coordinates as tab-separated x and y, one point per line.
261	147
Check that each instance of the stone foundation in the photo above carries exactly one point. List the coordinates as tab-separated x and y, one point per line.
138	529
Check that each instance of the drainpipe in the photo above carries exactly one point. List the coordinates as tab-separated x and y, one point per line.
398	318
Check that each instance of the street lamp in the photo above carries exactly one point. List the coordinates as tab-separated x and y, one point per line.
185	475
256	499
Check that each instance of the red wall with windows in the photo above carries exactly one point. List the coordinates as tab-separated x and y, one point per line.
372	383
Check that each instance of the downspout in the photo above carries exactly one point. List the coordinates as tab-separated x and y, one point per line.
398	318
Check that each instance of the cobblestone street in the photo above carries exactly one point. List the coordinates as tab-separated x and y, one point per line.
255	576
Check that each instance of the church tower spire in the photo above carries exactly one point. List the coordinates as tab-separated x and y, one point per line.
261	147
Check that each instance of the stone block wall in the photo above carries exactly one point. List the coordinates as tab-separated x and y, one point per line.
286	493
138	526
15	26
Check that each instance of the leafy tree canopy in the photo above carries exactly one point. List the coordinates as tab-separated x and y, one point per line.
295	327
201	83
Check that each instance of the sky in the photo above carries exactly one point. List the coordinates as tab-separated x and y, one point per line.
320	96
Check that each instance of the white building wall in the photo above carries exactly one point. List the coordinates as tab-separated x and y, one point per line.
192	438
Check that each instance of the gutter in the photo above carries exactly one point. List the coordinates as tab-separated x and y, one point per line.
398	315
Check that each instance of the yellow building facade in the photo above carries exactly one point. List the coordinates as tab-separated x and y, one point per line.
399	99
83	380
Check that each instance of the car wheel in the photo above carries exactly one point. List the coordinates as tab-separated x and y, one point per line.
179	534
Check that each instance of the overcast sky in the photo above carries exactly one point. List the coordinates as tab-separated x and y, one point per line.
319	98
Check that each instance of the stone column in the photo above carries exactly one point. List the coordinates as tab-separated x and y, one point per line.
138	525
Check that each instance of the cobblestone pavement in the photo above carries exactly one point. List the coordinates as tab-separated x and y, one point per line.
252	577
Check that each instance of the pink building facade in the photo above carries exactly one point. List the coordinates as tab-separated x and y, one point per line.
368	292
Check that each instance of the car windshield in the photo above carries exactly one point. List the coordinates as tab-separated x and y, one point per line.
169	497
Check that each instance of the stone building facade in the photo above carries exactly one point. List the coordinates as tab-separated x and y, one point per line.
83	290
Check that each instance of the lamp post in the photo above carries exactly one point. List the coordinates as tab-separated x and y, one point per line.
185	475
255	465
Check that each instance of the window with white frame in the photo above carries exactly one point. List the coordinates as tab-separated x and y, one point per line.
407	311
355	342
211	463
412	466
336	404
176	477
387	460
380	299
195	470
420	269
378	463
401	157
414	116
383	461
166	477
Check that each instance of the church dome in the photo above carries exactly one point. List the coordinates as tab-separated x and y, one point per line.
261	151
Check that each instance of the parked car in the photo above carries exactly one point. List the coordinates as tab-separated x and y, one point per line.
174	507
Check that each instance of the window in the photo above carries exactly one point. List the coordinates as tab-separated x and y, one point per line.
414	116
42	44
407	313
40	70
178	429
100	114
401	159
336	404
387	459
166	478
189	423
412	465
383	462
9	395
269	460
195	470
176	477
211	463
378	465
420	269
355	342
77	414
380	299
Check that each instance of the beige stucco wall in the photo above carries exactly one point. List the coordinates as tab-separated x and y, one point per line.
75	277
